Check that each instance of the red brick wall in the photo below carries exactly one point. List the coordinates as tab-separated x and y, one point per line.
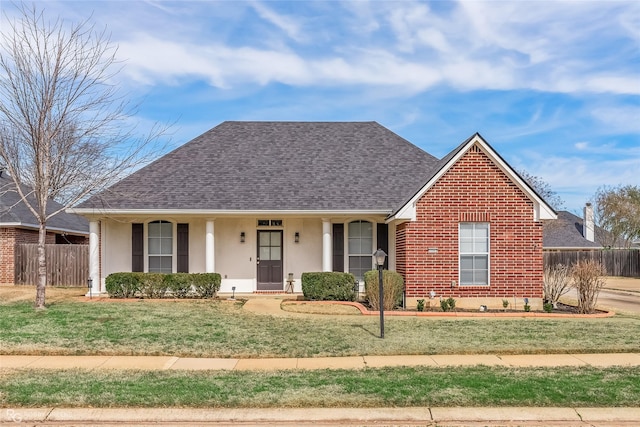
9	237
474	189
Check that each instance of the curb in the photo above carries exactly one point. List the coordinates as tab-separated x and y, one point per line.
366	312
486	416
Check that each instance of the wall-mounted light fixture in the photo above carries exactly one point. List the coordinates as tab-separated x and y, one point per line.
242	237
296	237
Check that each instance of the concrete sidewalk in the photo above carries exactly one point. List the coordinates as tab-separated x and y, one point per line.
354	362
508	416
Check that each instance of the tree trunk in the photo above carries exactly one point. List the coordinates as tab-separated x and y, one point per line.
42	267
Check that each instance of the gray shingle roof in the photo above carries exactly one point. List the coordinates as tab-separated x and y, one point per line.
15	213
278	166
566	232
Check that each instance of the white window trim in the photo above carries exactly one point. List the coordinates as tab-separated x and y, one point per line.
374	242
174	244
488	254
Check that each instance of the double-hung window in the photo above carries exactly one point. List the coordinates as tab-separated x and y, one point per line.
160	247
360	248
474	253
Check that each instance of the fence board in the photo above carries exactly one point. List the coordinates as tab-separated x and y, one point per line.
617	262
67	265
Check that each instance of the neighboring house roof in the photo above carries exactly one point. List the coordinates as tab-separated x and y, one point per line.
241	167
278	166
14	213
567	232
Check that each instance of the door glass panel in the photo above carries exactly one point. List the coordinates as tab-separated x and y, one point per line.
275	239
275	253
265	253
265	238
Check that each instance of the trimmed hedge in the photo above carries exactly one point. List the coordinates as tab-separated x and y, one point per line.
123	285
393	285
157	285
334	286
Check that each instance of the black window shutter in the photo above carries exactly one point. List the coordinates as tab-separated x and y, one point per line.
183	248
383	241
137	247
338	247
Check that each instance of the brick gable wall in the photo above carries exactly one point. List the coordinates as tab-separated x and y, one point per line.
474	189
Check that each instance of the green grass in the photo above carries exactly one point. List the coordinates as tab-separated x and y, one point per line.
223	329
401	387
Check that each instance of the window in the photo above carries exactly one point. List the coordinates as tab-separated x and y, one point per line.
474	253
360	248
160	247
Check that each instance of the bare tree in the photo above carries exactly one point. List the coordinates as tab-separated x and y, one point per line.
543	189
64	128
617	214
557	282
588	279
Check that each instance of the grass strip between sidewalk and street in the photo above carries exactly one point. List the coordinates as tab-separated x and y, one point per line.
398	386
225	329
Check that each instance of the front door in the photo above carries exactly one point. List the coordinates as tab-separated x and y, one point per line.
269	260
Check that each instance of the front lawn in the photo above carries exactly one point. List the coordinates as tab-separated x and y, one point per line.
400	387
206	328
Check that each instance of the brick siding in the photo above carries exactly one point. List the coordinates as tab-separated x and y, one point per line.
9	237
473	189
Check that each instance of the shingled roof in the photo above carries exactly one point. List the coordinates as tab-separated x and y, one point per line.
566	232
14	213
278	166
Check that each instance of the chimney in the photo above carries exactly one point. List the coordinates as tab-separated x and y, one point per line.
588	227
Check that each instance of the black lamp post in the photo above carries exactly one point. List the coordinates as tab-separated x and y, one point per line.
90	286
380	256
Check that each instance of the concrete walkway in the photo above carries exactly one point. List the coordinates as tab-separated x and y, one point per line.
354	362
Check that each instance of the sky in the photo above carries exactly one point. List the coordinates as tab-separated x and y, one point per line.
553	86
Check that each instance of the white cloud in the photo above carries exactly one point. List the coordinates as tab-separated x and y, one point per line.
582	145
288	25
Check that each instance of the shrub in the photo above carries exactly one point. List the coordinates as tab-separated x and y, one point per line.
393	285
122	285
548	307
588	280
153	285
505	304
333	286
206	285
420	305
179	284
447	304
557	282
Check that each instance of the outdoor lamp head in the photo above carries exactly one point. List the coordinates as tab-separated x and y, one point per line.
380	256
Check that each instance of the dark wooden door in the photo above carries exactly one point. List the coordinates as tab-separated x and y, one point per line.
269	261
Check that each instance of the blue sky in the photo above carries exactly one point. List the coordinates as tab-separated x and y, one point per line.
554	87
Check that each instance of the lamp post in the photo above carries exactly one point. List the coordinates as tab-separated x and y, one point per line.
380	256
90	286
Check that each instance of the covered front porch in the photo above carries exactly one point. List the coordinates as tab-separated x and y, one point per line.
252	253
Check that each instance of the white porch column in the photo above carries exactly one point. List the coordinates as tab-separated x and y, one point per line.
94	257
210	248
326	245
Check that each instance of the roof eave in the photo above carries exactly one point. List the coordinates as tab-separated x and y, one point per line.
226	212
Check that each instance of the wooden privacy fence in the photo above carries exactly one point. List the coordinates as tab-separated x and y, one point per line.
67	265
618	262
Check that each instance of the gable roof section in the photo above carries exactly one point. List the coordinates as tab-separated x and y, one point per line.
14	213
407	211
242	167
